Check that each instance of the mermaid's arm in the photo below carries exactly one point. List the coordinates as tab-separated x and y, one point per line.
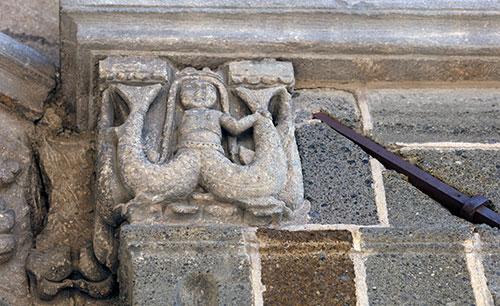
234	126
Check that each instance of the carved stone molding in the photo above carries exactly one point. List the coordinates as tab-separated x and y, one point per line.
385	41
27	78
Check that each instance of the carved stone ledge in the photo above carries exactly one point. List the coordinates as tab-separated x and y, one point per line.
26	78
459	43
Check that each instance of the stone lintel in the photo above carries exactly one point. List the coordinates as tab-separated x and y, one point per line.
327	42
26	79
184	265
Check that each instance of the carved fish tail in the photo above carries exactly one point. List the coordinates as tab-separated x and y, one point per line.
174	179
263	177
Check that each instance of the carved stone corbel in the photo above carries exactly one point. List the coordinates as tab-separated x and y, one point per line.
206	147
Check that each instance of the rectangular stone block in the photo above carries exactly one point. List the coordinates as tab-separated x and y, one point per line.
268	73
435	115
183	265
469	171
134	69
336	172
337	177
409	207
337	103
416	266
307	267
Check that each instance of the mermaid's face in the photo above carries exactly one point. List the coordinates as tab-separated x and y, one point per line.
198	94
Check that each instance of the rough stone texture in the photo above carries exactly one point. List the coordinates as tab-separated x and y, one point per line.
376	46
307	267
213	152
337	177
27	78
416	266
336	103
67	163
490	253
167	265
19	194
368	4
434	115
409	207
469	171
34	23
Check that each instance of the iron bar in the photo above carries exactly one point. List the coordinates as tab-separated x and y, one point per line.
473	209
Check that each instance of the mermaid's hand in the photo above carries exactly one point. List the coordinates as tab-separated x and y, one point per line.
265	113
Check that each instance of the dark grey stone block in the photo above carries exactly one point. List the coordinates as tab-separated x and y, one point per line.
176	265
337	103
409	207
469	171
435	115
416	266
337	177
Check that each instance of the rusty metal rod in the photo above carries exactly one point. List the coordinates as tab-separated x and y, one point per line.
473	208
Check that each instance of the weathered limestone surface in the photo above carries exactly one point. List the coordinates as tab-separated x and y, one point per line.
21	207
27	78
383	42
67	164
34	23
64	247
184	265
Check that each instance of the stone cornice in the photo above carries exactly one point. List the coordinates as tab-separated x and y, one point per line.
327	41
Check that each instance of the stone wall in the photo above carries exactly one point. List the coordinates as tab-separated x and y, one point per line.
369	237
